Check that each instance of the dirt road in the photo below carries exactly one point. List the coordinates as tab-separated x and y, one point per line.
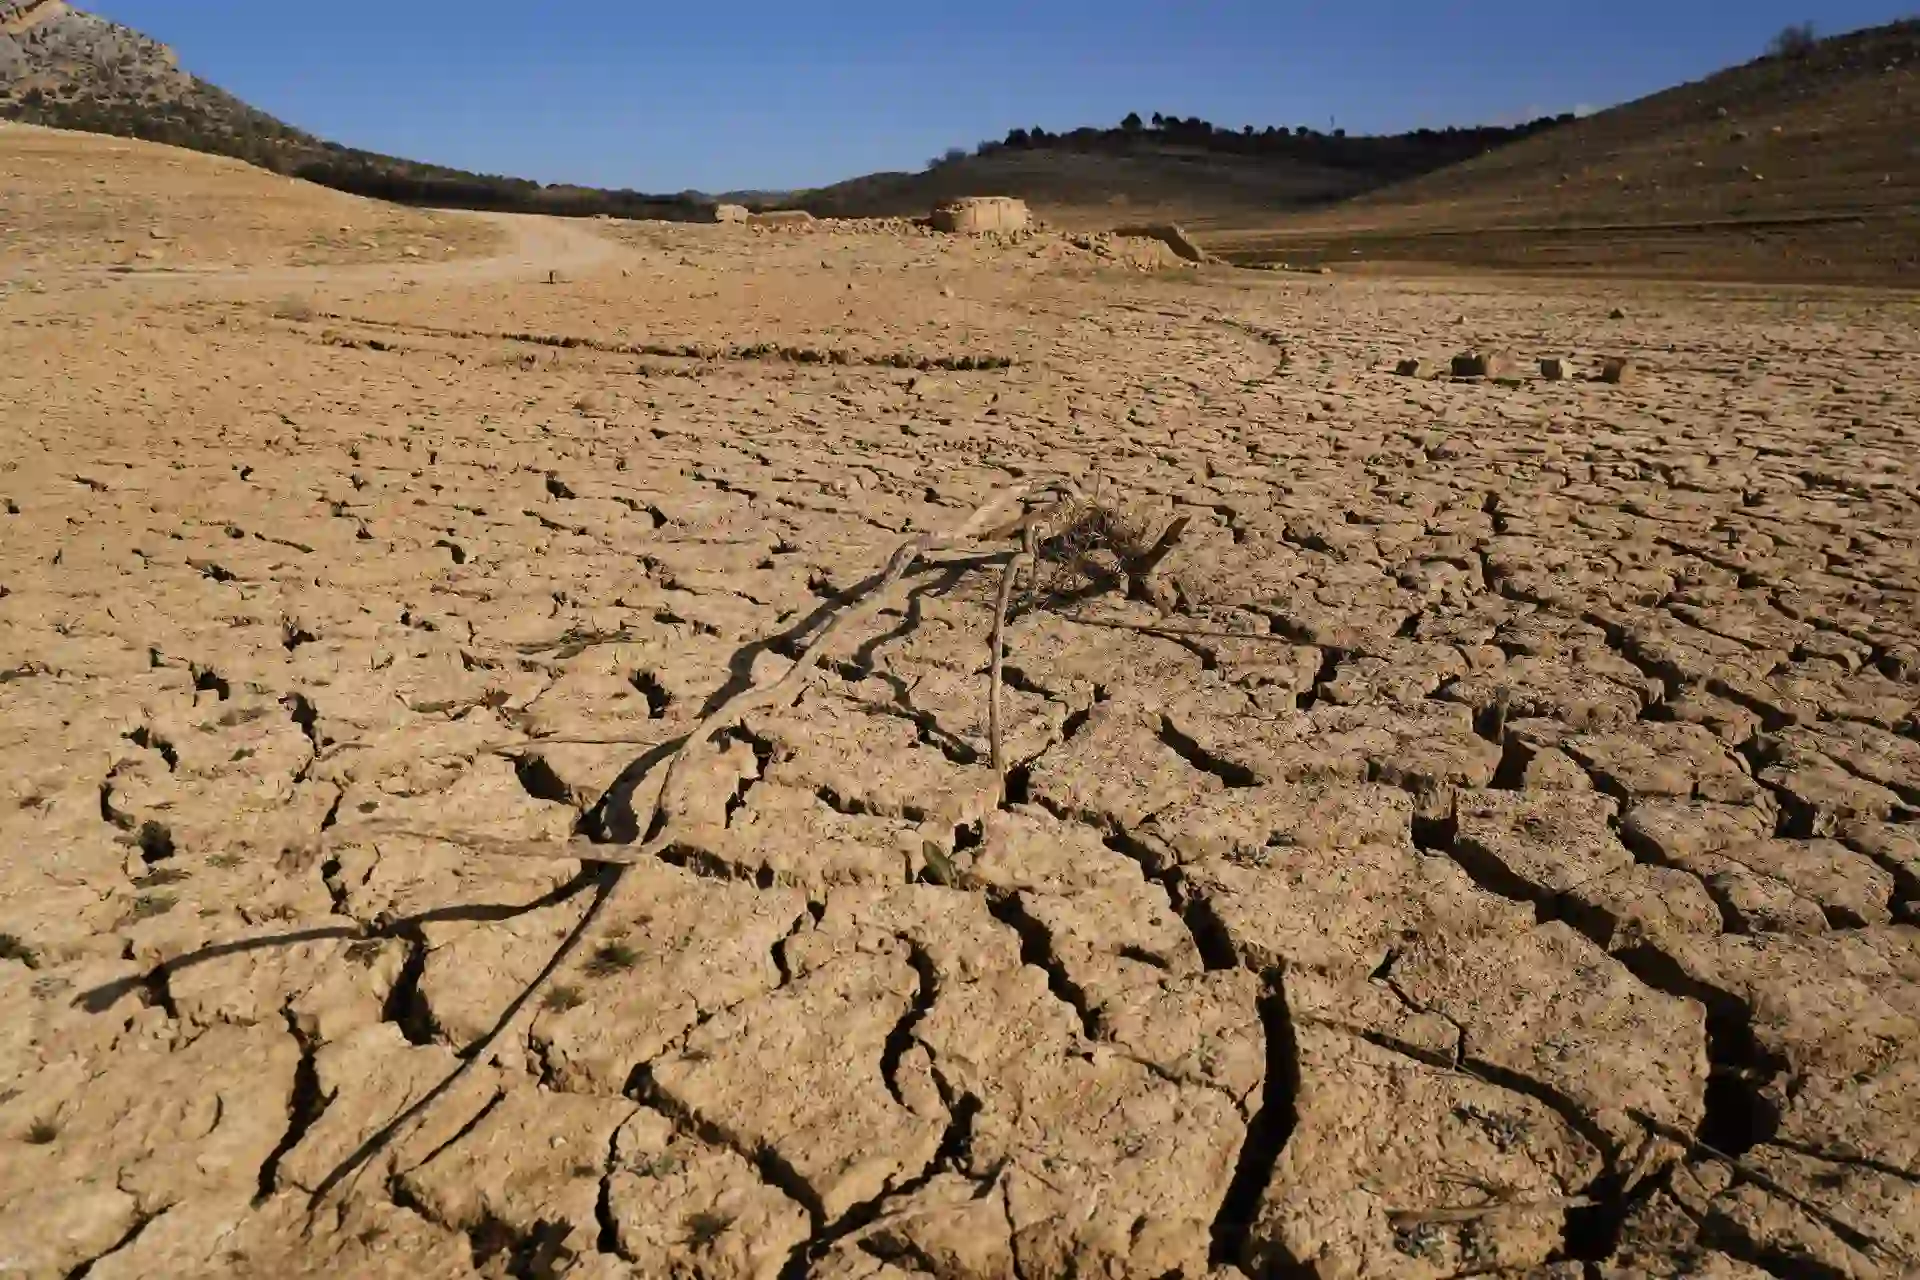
533	246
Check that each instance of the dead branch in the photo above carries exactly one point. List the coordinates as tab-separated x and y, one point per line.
789	685
1142	566
523	745
1400	1219
1190	633
995	732
496	846
613	864
1030	545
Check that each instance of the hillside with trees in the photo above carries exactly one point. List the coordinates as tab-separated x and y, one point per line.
1799	163
1167	165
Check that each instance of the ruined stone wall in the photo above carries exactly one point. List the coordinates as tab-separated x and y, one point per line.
977	214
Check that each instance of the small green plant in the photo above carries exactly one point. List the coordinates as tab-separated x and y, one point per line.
662	1165
610	958
704	1229
149	905
561	998
42	1132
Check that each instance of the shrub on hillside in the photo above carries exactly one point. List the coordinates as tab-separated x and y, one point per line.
1793	42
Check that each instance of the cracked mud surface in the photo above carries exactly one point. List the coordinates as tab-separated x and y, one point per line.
1554	819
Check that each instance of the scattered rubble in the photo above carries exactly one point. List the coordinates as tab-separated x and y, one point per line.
975	214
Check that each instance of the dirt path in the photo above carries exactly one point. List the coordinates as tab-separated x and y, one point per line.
536	245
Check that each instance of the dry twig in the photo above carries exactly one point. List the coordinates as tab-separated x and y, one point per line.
995	730
1400	1219
979	526
1190	633
497	847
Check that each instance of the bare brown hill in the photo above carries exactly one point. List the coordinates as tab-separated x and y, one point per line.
1800	165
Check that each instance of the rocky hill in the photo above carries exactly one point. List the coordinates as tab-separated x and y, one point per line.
50	46
62	66
67	68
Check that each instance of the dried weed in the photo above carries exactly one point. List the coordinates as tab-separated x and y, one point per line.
610	958
149	905
559	999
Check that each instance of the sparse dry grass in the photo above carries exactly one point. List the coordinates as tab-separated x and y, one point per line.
148	905
561	998
610	958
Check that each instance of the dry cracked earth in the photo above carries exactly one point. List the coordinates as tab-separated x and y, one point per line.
1515	872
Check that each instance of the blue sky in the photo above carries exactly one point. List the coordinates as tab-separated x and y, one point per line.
666	95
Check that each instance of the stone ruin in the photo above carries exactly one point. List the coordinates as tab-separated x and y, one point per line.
781	218
1173	236
976	215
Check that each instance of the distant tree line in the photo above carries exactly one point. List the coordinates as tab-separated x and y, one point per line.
209	120
1388	155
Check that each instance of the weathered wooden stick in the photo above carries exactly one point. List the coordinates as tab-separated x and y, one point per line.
996	733
1399	1218
496	846
1143	565
1191	633
613	863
